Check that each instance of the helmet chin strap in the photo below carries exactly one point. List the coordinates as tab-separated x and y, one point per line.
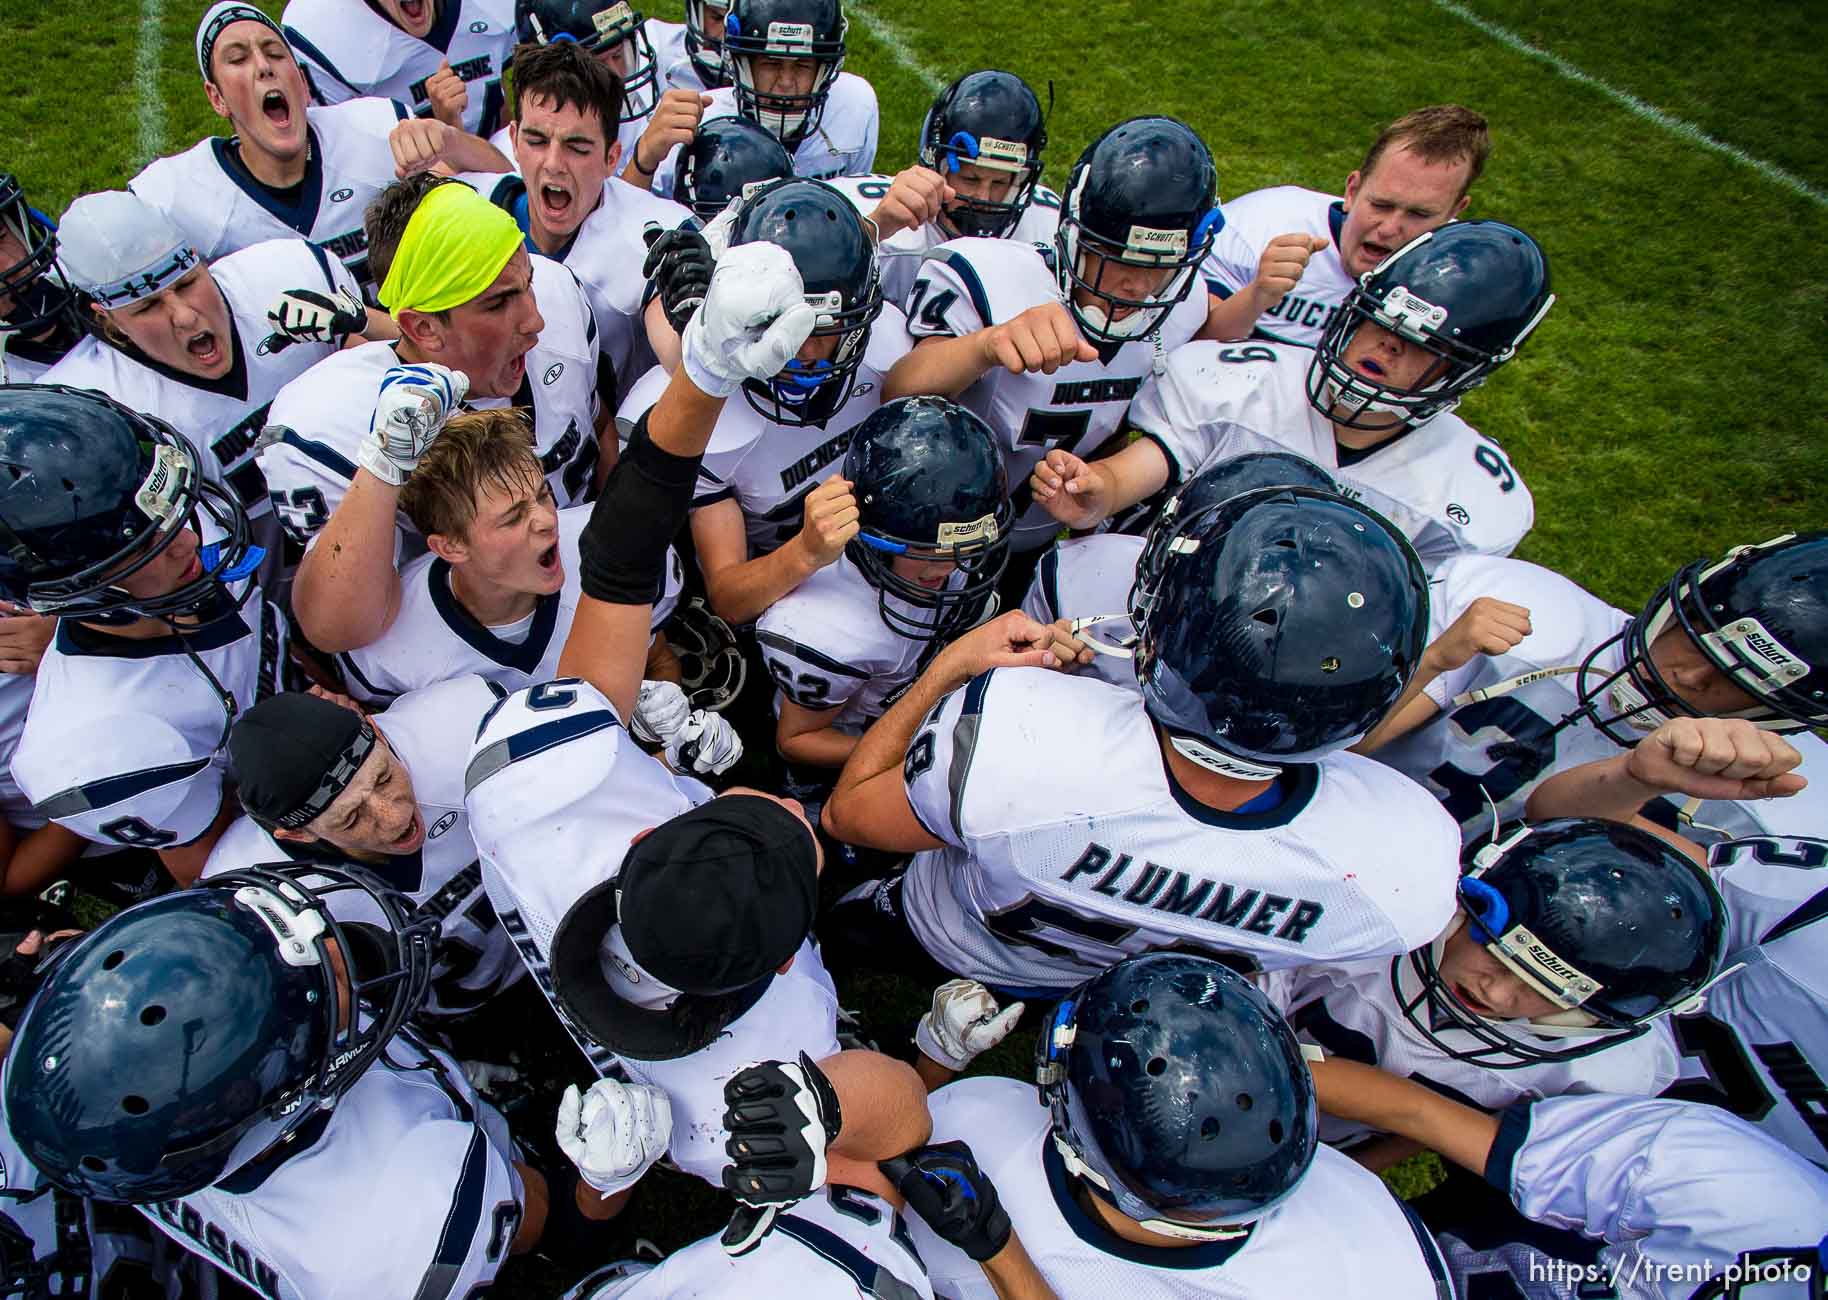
1166	1227
1215	760
1123	647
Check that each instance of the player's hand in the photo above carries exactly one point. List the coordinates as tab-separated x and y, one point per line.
754	320
24	637
614	1132
1012	640
1042	338
420	144
914	199
1488	627
707	745
829	520
1716	758
680	264
661	712
338	699
448	95
1280	268
955	1198
780	1117
1068	489
413	405
962	1023
307	316
675	121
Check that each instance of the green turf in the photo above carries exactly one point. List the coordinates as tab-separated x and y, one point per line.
1669	407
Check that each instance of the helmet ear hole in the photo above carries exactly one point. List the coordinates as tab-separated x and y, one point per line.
135	1105
113	959
152	1016
1209	1129
1156	1065
1275	1130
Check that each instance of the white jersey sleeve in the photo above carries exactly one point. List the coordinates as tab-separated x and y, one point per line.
158	791
1089	577
1251	221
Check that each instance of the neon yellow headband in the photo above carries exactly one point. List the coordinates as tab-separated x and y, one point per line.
456	243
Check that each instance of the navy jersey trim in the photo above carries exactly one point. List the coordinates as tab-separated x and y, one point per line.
441	31
347	661
301	216
964	747
323	262
1101	1239
1431	1253
1050	580
298	41
1299	781
818	659
460	1223
1174	468
111	790
74	639
1336	224
534	740
833	1249
321	452
1513	1132
524	657
1808	914
974	287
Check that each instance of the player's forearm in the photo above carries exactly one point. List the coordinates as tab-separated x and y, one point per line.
1368	1095
38	857
661	336
883	1105
347	589
682	420
1230	319
1603	788
641	180
1137	472
464	152
1014	1276
937	366
1381	1153
821	747
881	749
740	593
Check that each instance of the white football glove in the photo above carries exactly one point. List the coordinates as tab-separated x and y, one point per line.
413	405
614	1132
963	1022
307	316
707	745
754	319
661	711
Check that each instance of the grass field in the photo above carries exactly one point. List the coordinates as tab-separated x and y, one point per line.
1669	407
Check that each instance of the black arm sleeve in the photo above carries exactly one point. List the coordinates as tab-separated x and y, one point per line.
622	552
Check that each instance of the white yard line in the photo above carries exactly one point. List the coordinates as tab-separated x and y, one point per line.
1676	126
896	43
150	105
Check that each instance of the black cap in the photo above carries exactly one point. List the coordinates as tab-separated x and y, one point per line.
291	755
711	903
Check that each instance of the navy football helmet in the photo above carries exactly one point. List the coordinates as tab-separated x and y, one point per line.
1612	924
1178	1095
1467	294
1144	194
727	158
706	51
1278	626
784	29
599	26
1760	616
993	120
930	485
185	1037
36	296
94	493
836	255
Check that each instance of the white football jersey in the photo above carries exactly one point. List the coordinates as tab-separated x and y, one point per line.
1760	1046
677	71
840	1243
1340	1212
25	361
827	647
1502	748
409	1190
968	284
124	743
349	50
1672	1191
843	145
430	733
433	638
220	207
557	792
227	413
606	254
1070	846
901	252
1086	577
768	467
1251	221
1447	487
15	701
318	422
1356	1012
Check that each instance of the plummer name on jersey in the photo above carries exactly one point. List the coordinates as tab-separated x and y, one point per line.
1169	890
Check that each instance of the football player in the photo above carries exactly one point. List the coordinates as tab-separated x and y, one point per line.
785	61
163	637
1293	254
1652	1199
1372	403
1174	1153
932	537
567	200
187	340
979	176
1139	214
727	160
1574	679
232	1060
39	322
289	170
442	59
1760	1048
1218	815
771	507
1574	942
478	315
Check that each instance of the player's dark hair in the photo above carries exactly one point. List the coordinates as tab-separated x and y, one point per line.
563	73
385	222
1442	133
476	450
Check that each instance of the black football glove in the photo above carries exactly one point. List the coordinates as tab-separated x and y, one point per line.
307	316
944	1186
780	1117
679	262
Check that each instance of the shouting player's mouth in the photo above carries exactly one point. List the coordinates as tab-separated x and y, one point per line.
556	204
411	837
1471	1002
205	348
1369	366
548	560
276	109
413	10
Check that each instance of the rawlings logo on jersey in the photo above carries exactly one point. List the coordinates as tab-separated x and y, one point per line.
1746	641
789	38
552	374
158	496
1157	243
442	825
342	196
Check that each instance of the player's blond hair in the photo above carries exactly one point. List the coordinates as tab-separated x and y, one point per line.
476	450
1442	133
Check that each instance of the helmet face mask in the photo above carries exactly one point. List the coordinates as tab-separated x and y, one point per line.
728	158
800	30
992	121
705	51
599	26
41	298
711	665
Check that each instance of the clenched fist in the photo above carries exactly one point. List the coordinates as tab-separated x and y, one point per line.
831	520
1281	266
1042	338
